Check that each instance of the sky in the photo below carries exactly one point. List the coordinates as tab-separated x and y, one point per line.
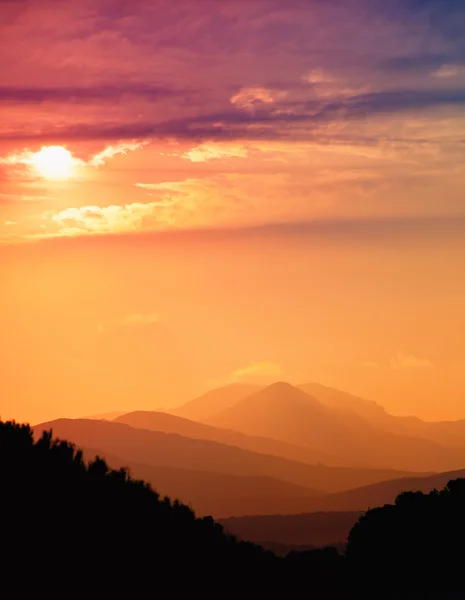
199	193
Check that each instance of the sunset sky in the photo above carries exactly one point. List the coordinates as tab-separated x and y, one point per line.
196	193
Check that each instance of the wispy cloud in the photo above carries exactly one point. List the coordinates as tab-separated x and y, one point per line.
264	371
141	319
409	361
449	71
110	151
250	98
94	220
207	152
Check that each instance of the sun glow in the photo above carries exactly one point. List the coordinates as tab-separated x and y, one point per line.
54	162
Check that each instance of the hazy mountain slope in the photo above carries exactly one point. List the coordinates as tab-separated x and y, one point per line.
333	515
284	412
172	450
215	400
449	433
334	398
315	529
216	494
382	493
168	423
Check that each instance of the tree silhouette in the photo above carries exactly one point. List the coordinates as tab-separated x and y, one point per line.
416	544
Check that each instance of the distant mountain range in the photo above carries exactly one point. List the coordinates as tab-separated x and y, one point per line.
173	450
280	449
216	494
335	423
169	423
449	433
334	514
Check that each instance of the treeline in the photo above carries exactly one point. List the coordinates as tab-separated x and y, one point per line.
69	528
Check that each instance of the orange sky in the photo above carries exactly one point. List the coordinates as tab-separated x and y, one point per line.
240	201
105	323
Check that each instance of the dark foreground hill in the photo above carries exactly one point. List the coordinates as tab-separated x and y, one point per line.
72	529
71	526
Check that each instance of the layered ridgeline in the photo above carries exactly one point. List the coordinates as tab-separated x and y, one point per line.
332	516
215	478
271	450
83	529
335	423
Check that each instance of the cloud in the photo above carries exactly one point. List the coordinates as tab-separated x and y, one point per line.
207	152
141	319
409	361
94	220
252	97
12	198
319	76
293	119
448	71
111	151
259	372
76	94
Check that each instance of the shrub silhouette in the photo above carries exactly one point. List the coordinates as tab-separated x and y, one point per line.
416	544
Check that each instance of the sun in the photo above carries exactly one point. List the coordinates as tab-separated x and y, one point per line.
54	162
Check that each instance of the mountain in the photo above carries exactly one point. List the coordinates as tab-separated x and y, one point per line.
172	450
168	423
286	413
337	399
216	494
447	433
308	529
215	400
334	515
382	493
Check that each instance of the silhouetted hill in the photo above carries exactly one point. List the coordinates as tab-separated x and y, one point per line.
216	494
172	450
168	423
414	544
385	492
287	413
215	400
98	533
311	529
333	515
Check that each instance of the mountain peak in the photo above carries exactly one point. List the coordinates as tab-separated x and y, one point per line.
280	386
